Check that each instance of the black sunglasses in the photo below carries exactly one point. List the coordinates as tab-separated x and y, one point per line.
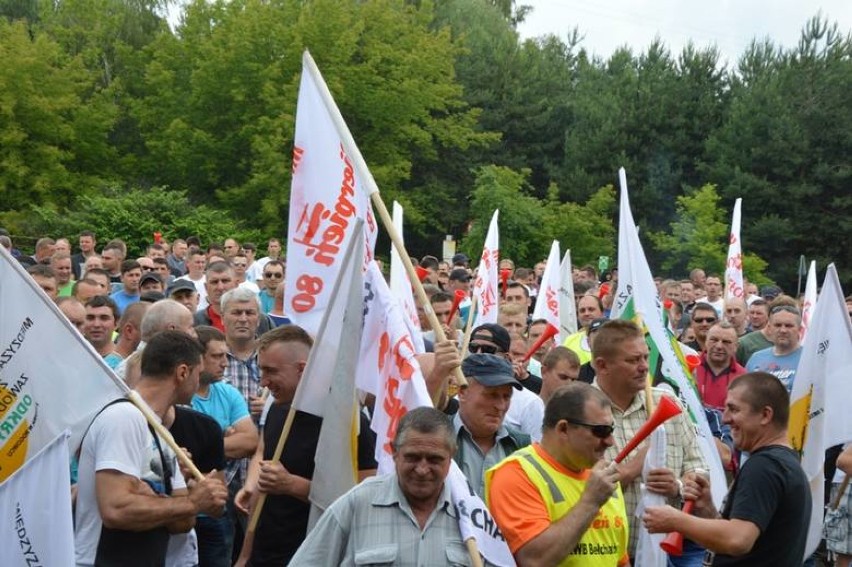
705	319
477	348
271	275
598	430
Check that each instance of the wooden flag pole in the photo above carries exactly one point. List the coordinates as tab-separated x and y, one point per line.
351	149
276	456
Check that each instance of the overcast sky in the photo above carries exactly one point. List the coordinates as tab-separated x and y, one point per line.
729	24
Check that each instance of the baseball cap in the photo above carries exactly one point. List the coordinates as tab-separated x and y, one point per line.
181	285
489	370
498	335
770	292
148	276
597	324
460	259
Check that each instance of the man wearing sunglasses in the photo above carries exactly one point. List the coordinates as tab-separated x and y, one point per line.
558	502
704	316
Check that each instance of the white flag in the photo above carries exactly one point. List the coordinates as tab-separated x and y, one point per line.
326	196
734	265
35	510
51	379
648	552
637	299
547	302
337	343
809	302
312	392
567	307
391	372
400	286
819	402
485	286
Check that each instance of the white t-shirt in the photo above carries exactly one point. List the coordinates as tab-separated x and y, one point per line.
119	439
526	413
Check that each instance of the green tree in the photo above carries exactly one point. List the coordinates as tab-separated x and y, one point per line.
699	237
219	114
528	225
136	214
784	148
54	124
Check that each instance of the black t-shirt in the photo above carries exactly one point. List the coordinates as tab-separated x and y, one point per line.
283	522
202	436
772	492
587	373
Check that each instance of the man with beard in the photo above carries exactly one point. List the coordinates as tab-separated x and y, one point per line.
226	405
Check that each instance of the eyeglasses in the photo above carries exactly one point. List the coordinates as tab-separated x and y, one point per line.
273	275
784	309
598	430
704	320
478	348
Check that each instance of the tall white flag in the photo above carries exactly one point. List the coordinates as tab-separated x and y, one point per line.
485	288
400	287
637	299
393	375
35	510
333	358
819	403
547	302
326	196
567	306
51	379
734	265
809	301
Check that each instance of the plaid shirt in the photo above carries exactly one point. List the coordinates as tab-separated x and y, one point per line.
682	452
244	375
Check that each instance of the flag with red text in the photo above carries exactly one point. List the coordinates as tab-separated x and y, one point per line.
567	306
326	195
485	286
390	371
400	287
547	302
734	264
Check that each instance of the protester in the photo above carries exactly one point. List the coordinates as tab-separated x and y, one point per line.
125	468
782	358
765	518
405	518
558	502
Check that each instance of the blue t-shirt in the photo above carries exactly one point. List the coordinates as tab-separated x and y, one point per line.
782	367
267	302
224	403
123	299
113	360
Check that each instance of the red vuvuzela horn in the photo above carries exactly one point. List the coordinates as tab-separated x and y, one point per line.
504	277
421	272
460	295
666	409
692	361
548	333
673	543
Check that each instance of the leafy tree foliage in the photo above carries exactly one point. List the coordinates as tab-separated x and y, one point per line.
135	215
699	238
528	225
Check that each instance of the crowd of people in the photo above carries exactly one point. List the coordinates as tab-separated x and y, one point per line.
202	334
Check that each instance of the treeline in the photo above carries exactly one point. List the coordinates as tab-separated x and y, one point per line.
101	102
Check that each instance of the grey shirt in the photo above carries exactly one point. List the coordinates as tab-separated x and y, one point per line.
373	524
470	458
